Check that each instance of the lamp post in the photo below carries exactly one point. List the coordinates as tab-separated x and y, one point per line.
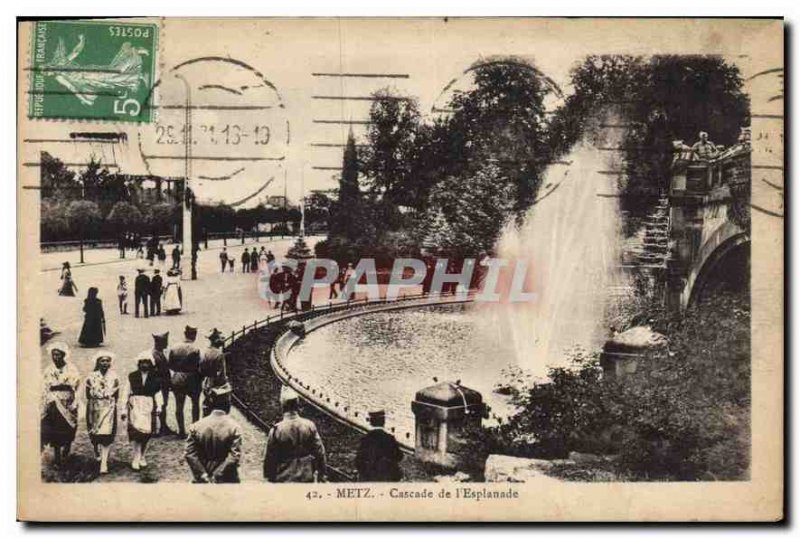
187	271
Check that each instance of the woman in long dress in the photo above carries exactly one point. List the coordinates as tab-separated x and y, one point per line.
173	297
144	405
68	287
94	322
102	399
60	407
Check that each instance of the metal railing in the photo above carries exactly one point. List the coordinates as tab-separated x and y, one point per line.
331	307
334	474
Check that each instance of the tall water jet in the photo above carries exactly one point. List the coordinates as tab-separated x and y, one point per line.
571	239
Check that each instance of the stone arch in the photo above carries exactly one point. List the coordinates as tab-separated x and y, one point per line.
725	243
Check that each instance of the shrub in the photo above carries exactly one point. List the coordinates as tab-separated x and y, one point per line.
684	415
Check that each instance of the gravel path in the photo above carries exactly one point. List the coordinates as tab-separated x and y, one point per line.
226	301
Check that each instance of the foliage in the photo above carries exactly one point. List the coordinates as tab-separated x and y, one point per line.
467	214
387	161
501	121
318	209
124	217
118	198
449	184
684	415
299	250
215	217
159	216
353	222
659	99
348	215
53	219
84	217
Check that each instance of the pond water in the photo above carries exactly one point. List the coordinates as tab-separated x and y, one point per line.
381	360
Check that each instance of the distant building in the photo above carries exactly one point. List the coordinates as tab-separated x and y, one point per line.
276	201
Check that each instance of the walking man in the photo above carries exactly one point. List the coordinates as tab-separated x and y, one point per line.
214	446
184	362
156	289
176	257
223	258
141	290
379	455
295	452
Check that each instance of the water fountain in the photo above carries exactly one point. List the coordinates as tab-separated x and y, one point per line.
571	240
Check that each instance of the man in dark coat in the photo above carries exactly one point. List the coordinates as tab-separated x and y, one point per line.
214	446
295	452
212	370
223	258
176	257
156	289
184	363
141	290
379	455
245	261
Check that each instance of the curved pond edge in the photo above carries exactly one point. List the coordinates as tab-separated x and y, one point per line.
284	344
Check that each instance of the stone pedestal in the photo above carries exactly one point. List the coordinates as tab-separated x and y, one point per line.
622	353
442	413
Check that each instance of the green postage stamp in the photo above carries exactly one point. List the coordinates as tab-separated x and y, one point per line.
92	70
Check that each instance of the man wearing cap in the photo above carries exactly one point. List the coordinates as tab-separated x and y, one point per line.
295	452
141	290
156	289
184	362
214	445
160	343
379	455
212	370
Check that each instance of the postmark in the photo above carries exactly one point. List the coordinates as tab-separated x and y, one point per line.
84	70
220	122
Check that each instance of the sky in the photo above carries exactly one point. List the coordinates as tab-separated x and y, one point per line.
272	102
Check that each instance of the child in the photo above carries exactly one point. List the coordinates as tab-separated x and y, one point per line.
122	294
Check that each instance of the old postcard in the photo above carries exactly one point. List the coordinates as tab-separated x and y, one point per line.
424	269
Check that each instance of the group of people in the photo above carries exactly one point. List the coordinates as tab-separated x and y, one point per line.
213	444
294	450
252	262
154	250
150	292
184	370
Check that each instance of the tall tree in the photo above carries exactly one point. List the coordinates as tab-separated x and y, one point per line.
501	120
348	217
58	182
84	218
391	150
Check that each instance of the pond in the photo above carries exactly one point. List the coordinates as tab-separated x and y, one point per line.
380	360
